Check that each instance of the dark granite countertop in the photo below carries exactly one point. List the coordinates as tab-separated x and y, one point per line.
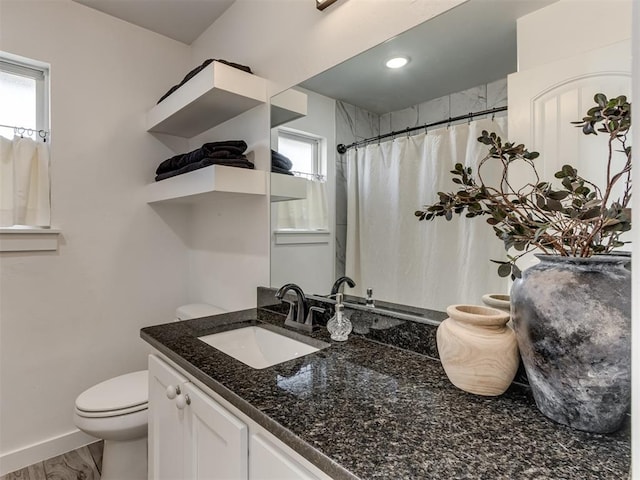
365	410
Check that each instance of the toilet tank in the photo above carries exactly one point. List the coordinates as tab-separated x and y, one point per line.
197	310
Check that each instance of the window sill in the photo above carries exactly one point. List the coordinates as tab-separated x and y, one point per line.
296	237
24	239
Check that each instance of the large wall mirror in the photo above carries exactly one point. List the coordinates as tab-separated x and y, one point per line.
352	213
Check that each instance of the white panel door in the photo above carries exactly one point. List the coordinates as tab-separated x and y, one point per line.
268	462
543	101
166	423
216	447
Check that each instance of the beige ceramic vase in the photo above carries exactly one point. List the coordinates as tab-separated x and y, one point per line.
499	301
478	351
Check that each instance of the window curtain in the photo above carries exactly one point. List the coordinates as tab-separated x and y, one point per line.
24	182
429	264
310	213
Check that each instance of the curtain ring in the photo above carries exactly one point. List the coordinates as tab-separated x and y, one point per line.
43	135
493	116
407	132
469	119
449	123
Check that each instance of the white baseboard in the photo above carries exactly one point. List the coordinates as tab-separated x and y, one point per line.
37	452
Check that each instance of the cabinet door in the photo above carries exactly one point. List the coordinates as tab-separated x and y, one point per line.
216	447
166	423
268	462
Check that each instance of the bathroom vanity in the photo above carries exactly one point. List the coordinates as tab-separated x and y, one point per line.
358	409
197	434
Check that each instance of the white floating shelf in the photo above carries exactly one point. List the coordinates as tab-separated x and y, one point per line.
287	106
287	187
187	187
216	94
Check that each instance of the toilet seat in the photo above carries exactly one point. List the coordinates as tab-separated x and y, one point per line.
117	396
111	413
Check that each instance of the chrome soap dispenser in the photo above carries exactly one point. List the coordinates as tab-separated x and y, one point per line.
339	326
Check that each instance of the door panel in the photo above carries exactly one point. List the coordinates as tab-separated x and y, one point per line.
217	444
166	423
543	101
268	462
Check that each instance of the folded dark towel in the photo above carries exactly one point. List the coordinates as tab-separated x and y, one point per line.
225	149
206	162
284	171
280	160
198	69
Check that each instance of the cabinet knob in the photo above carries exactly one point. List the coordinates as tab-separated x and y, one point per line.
173	391
182	401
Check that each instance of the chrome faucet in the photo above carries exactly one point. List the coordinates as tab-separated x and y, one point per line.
338	283
300	314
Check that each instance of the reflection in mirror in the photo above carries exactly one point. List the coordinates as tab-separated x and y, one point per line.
353	213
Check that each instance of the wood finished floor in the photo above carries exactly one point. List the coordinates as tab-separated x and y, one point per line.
82	464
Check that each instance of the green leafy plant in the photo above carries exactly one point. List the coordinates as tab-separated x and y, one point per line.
577	218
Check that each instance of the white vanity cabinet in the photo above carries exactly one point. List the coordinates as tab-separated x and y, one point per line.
194	434
268	461
190	435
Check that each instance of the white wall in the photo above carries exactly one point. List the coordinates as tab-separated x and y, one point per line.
571	27
72	318
229	234
311	265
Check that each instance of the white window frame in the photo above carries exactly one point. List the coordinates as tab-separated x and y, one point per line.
38	72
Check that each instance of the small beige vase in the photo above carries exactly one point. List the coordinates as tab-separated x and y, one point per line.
500	301
478	351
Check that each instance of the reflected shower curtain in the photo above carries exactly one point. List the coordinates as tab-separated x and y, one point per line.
430	264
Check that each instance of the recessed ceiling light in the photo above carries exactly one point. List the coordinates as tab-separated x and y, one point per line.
397	62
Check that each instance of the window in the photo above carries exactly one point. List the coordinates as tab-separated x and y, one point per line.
23	96
25	201
304	152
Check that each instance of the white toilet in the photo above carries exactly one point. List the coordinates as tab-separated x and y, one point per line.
116	411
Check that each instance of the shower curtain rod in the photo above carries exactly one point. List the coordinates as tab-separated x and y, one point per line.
342	148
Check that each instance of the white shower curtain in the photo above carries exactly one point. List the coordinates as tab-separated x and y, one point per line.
430	264
24	183
308	214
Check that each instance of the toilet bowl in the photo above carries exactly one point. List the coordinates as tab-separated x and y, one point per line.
116	411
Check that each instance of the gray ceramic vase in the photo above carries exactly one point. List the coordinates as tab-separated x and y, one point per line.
572	318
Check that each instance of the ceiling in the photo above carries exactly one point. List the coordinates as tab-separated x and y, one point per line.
182	20
472	44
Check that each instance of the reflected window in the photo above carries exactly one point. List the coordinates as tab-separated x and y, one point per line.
303	151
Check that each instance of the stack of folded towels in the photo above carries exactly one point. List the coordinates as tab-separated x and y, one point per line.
280	163
228	152
198	69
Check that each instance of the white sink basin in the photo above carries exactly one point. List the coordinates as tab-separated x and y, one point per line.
258	347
